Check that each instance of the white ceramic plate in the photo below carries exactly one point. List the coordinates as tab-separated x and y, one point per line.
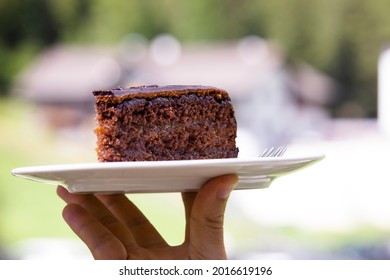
162	176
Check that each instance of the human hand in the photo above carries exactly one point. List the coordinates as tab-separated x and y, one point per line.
112	227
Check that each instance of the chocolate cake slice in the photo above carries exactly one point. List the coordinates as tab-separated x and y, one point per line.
164	123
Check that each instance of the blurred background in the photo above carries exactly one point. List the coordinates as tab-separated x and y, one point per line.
312	75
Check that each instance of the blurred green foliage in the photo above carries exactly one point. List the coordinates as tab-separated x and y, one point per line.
343	38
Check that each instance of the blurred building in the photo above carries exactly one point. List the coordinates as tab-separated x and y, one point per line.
61	79
252	70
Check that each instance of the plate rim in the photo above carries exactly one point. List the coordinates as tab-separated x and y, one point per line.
58	174
156	164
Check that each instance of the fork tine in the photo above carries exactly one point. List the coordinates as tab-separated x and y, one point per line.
274	152
267	152
280	151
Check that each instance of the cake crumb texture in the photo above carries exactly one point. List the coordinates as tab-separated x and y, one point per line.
172	127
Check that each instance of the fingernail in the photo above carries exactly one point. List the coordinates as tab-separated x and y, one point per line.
225	190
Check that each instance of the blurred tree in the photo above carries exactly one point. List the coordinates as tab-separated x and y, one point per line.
108	21
27	20
341	37
70	15
26	26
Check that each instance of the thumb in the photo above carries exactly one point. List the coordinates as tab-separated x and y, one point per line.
207	217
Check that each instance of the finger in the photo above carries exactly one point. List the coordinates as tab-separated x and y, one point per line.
207	217
128	213
97	209
87	201
188	201
100	241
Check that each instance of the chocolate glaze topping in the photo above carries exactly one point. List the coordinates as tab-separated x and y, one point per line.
151	91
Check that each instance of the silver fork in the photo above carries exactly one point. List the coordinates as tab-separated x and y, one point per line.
274	152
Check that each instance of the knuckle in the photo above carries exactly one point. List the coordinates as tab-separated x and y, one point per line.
135	222
102	240
108	220
211	222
